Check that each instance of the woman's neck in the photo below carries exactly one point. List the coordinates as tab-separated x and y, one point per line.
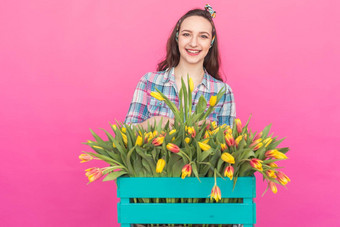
196	72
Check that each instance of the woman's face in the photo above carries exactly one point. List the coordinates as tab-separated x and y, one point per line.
194	38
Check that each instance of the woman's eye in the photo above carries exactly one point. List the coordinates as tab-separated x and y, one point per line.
204	36
186	34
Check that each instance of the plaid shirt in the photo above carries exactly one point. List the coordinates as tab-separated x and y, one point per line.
144	106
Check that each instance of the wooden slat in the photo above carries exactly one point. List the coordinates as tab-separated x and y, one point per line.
183	188
179	213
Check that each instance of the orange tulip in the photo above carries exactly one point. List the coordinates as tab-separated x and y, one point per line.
158	141
215	193
282	178
186	171
271	173
238	125
85	158
256	164
223	146
273	187
229	172
172	147
93	173
275	154
191	131
229	139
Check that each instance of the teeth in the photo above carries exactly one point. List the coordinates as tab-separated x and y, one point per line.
193	51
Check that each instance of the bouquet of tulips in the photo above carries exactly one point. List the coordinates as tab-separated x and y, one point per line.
192	147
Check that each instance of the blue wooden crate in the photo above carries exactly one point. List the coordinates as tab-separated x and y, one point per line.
185	213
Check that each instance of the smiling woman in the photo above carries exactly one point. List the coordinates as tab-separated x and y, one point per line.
192	49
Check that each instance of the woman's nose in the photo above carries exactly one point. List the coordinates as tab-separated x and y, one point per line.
193	41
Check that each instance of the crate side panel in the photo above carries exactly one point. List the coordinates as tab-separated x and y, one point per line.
183	188
187	213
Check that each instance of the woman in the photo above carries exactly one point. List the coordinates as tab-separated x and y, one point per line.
191	49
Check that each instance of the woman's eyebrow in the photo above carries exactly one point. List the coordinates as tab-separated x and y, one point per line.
199	32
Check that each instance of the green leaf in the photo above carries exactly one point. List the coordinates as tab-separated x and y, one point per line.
266	131
194	170
114	175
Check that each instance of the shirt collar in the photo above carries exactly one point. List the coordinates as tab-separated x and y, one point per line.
170	77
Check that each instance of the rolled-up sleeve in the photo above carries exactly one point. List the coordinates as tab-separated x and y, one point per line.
138	111
227	112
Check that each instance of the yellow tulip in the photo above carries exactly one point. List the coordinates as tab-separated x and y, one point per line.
160	165
214	124
215	193
172	132
228	158
187	140
186	171
238	125
139	141
205	141
273	187
238	140
270	173
124	130
223	146
267	141
157	95
158	141
229	172
114	145
282	178
98	147
256	164
124	138
213	100
204	146
85	158
191	84
275	154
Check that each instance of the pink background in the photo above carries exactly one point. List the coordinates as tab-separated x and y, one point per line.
67	66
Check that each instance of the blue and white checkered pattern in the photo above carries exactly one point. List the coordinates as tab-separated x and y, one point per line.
144	106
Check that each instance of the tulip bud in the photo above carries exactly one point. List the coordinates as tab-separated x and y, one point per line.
229	172
238	125
187	140
214	124
282	178
157	95
273	165
93	174
271	173
204	146
256	164
228	158
172	147
275	154
98	147
215	193
267	141
85	158
206	135
186	171
124	130
258	146
160	165
229	139
172	132
223	146
257	136
238	139
124	138
158	141
191	131
273	187
139	141
114	145
213	100
191	84
228	130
